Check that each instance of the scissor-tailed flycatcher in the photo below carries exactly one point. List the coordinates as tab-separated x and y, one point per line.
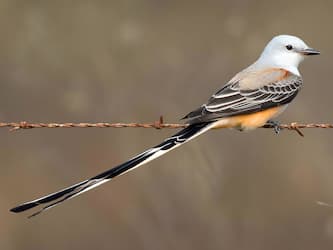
249	100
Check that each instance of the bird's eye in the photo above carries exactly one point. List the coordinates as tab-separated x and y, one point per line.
289	47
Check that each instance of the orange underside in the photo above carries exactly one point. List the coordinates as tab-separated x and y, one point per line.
250	121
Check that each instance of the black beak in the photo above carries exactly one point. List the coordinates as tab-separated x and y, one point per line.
310	52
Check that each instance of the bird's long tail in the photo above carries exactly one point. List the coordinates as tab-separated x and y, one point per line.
170	143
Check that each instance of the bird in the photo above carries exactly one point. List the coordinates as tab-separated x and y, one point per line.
253	98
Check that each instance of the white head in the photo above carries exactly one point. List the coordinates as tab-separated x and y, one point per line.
285	52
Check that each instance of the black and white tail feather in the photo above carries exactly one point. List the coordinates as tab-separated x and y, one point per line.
170	143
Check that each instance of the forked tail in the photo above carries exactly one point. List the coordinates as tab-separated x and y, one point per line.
56	198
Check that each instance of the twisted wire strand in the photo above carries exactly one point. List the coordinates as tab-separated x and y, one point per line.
159	124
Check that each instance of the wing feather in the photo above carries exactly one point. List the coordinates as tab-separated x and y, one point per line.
235	99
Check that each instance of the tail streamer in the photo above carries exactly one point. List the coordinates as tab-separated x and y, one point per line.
167	145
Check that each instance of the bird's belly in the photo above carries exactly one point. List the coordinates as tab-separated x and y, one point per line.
250	121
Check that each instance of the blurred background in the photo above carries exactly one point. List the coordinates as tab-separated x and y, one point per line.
131	61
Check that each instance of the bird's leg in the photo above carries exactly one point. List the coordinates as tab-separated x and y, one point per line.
275	125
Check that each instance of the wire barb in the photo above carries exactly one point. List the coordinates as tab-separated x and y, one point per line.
158	124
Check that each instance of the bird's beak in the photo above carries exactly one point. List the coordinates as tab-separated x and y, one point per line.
309	52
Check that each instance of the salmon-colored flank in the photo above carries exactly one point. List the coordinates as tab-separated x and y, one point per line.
250	121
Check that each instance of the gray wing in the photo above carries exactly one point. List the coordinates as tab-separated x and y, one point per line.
232	100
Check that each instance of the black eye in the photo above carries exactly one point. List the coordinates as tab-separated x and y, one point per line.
289	47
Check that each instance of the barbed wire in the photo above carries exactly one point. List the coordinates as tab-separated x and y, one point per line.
159	124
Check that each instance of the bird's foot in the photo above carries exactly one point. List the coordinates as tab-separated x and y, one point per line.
275	124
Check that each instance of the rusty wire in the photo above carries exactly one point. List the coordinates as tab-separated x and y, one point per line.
14	126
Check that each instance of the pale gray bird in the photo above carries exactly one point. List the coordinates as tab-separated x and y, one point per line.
251	99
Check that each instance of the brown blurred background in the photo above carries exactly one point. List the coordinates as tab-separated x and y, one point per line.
130	61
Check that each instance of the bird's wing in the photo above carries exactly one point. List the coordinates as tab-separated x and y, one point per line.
249	93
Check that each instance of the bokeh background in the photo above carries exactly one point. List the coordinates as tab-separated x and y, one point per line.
125	61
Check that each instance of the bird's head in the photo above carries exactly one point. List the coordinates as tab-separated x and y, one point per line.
286	52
